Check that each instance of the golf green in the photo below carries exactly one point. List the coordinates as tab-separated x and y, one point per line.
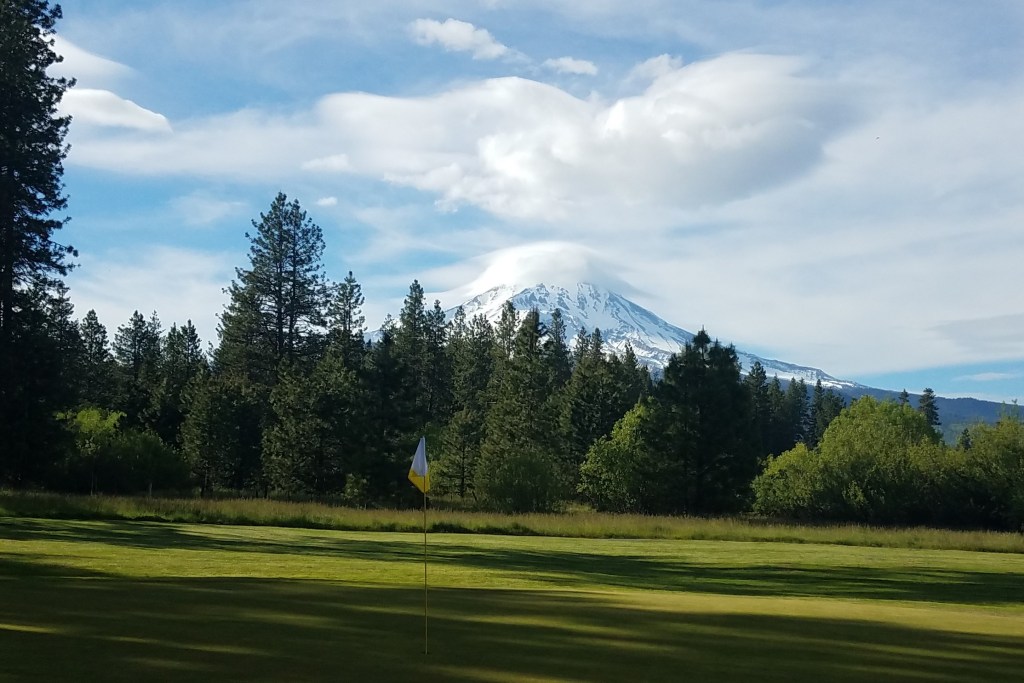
83	601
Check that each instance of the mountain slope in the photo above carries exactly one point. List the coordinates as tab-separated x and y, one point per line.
587	306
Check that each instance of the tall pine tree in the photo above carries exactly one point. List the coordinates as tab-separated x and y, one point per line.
32	151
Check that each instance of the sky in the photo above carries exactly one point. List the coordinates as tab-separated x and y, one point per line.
834	184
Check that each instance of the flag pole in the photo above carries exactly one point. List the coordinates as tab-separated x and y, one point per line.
424	572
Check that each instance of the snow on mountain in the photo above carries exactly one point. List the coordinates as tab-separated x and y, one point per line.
588	306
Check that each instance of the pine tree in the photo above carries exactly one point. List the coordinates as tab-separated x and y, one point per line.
137	350
319	432
181	362
277	307
517	470
222	433
927	406
472	353
347	322
701	431
98	381
825	407
556	352
32	151
761	409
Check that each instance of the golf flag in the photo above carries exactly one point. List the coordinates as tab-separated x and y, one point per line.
418	473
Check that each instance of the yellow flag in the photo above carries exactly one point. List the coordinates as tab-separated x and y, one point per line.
419	473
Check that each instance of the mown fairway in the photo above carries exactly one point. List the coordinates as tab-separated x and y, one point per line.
150	601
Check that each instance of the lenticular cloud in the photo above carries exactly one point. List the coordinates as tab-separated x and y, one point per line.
703	133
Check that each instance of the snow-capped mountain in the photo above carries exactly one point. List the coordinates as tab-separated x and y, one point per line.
588	306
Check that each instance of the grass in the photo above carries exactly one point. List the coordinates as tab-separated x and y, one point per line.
135	600
582	524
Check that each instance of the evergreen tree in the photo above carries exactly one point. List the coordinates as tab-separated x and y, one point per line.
137	350
181	362
825	407
98	380
597	395
796	411
926	405
66	341
345	315
277	307
393	421
904	398
556	352
756	382
319	431
439	368
412	344
222	432
472	353
700	434
517	471
32	151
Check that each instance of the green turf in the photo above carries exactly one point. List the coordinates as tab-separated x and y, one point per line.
139	601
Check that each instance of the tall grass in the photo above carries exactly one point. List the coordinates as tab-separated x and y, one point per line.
577	524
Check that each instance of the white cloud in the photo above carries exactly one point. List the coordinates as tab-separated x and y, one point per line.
458	36
332	163
654	68
179	284
105	109
703	134
551	262
89	69
988	377
568	65
327	201
201	209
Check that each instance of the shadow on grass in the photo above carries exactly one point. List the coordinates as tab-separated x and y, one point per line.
584	569
93	628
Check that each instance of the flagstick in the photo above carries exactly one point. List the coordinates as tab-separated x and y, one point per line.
424	573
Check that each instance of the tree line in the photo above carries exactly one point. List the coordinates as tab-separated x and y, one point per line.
295	400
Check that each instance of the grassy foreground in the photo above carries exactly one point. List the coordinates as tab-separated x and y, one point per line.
264	512
116	600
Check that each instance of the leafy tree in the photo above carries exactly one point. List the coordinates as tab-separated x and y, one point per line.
866	468
619	473
32	151
991	473
95	430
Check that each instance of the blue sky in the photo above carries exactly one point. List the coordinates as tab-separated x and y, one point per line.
836	184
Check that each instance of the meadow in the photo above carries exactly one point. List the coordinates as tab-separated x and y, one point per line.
149	600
